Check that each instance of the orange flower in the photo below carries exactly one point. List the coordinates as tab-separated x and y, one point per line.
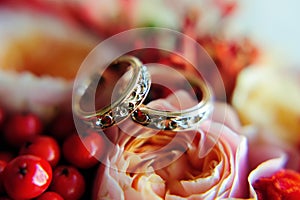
284	184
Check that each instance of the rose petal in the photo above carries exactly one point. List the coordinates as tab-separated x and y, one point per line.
275	162
206	164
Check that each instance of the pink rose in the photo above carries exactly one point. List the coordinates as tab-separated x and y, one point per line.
267	157
208	163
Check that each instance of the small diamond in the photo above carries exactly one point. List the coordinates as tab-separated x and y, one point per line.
138	89
104	121
197	119
122	111
160	123
98	122
183	122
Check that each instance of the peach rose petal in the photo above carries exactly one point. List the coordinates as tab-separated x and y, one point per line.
207	164
276	161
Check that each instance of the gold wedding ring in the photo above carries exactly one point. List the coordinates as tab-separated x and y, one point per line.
180	120
131	93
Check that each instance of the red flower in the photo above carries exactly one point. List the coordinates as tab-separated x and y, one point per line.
227	8
285	184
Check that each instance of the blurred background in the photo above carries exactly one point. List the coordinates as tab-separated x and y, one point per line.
253	43
272	24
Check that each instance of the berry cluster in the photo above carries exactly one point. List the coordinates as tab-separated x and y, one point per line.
39	161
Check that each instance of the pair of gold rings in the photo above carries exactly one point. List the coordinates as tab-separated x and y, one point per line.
130	89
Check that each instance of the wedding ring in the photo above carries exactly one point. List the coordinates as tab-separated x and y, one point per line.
180	120
130	93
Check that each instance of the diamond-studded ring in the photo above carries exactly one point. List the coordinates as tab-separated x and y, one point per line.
129	81
180	120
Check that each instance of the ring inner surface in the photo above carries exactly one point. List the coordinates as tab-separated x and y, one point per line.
110	87
167	82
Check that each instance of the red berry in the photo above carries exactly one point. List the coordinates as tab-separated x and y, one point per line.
42	146
62	126
50	196
84	152
21	127
6	156
68	182
27	177
2	167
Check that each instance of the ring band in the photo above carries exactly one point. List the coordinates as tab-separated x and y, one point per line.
131	98
177	120
130	103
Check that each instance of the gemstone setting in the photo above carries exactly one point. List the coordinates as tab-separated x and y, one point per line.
164	120
128	105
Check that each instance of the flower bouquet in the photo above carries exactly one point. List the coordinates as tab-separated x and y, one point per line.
246	148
